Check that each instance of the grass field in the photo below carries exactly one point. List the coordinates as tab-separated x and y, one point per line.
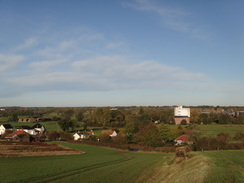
214	129
227	166
109	165
96	165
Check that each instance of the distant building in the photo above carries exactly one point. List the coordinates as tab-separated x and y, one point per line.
181	115
31	120
183	139
83	135
4	128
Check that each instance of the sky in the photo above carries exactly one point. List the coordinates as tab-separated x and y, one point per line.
121	53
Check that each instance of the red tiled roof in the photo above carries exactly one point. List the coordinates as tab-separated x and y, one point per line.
183	138
19	132
108	132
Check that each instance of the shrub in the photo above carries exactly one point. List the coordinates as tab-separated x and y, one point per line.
53	135
120	139
104	138
239	136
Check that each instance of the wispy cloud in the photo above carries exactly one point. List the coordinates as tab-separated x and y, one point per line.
45	65
28	43
171	17
9	61
85	62
112	72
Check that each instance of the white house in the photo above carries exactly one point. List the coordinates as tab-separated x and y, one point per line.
77	136
40	129
4	128
113	134
27	129
83	135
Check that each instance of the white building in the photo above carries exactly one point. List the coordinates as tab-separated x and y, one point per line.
181	115
180	111
4	128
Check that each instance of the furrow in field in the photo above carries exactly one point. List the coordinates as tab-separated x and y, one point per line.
80	171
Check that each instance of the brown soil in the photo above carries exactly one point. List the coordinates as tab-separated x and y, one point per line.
21	149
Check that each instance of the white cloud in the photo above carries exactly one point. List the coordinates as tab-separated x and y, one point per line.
45	65
107	73
171	17
126	69
28	43
9	61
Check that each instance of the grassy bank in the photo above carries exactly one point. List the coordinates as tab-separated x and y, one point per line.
227	166
203	167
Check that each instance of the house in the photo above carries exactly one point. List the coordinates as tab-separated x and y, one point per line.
28	130
4	128
39	129
77	136
181	115
83	135
183	139
111	133
20	135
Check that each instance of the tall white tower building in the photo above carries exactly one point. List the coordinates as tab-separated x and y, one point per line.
182	115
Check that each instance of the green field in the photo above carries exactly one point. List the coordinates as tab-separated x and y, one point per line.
227	165
214	129
109	165
96	165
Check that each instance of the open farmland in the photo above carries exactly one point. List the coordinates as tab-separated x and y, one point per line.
27	149
107	165
96	160
212	130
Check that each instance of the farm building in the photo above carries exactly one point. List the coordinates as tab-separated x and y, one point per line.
30	120
183	139
20	135
37	129
4	128
181	115
26	129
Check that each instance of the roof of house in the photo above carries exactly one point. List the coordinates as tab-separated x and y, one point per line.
7	126
37	126
16	133
183	138
25	127
181	116
108	132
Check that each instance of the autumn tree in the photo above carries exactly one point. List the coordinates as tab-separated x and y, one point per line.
53	135
149	135
66	123
167	135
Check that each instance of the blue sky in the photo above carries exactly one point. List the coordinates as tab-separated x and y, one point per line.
121	52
